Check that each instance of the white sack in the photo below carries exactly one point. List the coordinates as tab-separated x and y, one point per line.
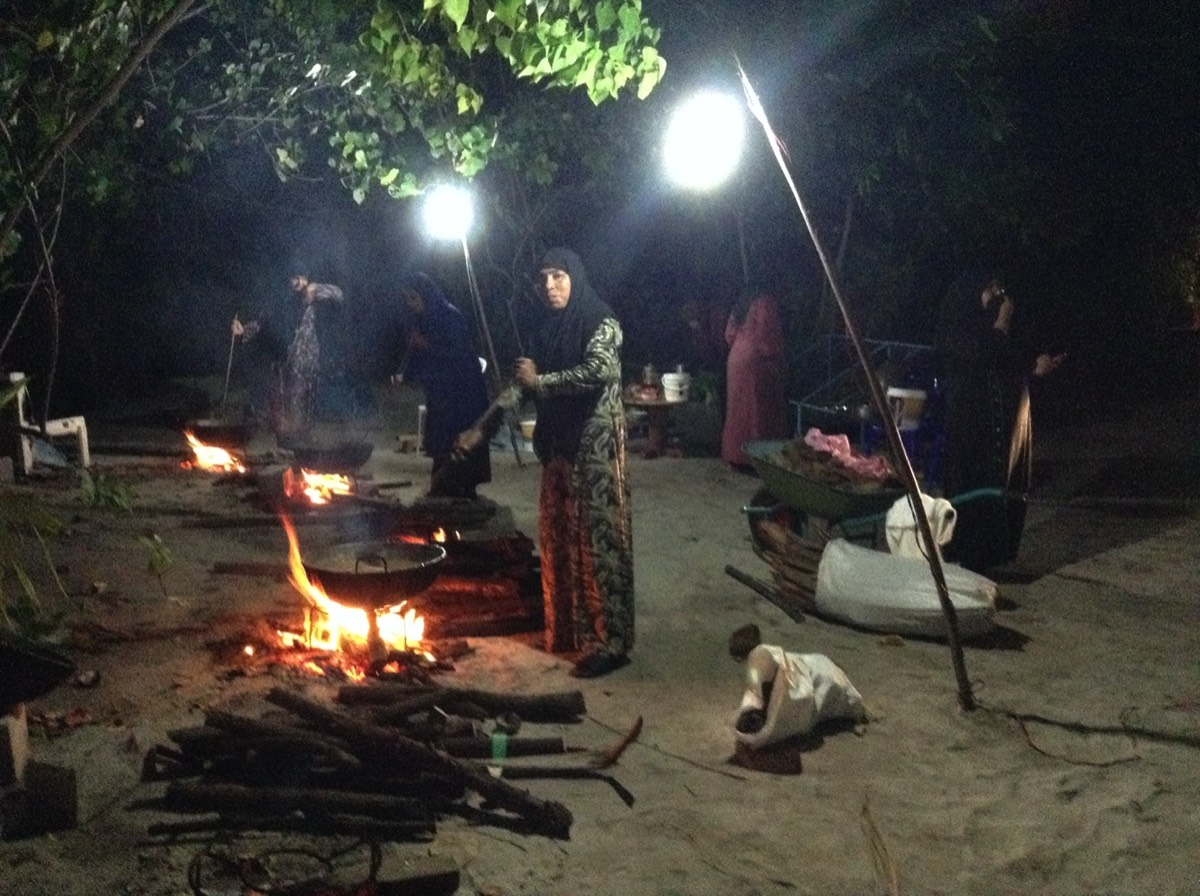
805	689
903	536
893	593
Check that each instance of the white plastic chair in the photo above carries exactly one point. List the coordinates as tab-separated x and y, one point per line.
54	429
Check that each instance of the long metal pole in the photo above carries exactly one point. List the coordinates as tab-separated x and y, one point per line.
966	698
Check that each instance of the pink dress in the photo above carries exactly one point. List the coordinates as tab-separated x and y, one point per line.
756	374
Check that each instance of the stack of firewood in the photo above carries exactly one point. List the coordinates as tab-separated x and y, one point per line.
793	558
384	765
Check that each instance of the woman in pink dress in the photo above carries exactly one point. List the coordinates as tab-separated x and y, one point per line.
756	375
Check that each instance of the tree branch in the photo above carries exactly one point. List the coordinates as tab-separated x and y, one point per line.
110	92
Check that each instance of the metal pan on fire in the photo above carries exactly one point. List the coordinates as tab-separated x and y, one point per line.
373	575
222	433
344	457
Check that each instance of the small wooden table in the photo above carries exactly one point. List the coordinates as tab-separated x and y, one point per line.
658	417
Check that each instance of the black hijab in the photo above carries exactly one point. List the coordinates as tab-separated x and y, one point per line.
964	329
562	335
560	343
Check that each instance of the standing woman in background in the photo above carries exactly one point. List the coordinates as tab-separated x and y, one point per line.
756	375
297	359
442	358
986	415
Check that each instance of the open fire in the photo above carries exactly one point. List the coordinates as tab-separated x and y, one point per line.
314	487
332	626
211	458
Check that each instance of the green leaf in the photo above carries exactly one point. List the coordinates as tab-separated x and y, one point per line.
467	38
606	15
456	11
389	177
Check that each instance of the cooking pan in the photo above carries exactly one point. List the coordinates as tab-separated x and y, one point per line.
228	434
344	457
376	574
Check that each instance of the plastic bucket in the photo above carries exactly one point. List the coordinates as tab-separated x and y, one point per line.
906	406
675	386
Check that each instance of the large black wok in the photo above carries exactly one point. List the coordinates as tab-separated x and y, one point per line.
223	433
373	575
344	457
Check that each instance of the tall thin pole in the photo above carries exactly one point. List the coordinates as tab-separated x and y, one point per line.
966	698
489	346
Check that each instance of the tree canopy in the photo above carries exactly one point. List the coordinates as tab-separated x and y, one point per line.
382	95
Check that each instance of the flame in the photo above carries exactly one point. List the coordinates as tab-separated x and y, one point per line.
400	628
317	488
212	457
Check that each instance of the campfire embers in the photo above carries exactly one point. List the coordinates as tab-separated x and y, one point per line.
212	458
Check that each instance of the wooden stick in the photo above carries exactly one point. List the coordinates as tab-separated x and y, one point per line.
786	604
486	747
562	706
357	827
235	798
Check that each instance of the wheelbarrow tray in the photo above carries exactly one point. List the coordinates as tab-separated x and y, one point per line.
815	498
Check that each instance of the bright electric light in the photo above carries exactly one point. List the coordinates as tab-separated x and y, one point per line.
704	141
448	212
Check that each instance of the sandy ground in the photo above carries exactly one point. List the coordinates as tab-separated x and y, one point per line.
1076	774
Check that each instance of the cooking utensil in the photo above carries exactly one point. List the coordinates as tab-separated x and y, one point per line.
228	367
228	434
376	574
345	457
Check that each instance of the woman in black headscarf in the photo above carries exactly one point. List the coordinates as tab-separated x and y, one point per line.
573	374
986	415
442	358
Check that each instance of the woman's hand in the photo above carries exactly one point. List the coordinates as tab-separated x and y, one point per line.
1004	315
237	328
417	342
1046	364
467	441
525	373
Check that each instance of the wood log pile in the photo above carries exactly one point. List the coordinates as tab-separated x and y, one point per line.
383	764
792	557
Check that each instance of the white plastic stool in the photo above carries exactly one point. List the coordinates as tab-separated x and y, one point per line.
54	429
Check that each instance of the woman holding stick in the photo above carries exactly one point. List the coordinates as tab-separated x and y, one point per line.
442	358
573	374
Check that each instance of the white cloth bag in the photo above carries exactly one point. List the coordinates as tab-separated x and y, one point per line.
894	593
805	689
903	536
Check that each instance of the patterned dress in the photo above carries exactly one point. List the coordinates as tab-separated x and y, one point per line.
296	385
584	519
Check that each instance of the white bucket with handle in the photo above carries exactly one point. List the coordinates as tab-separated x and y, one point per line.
675	386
